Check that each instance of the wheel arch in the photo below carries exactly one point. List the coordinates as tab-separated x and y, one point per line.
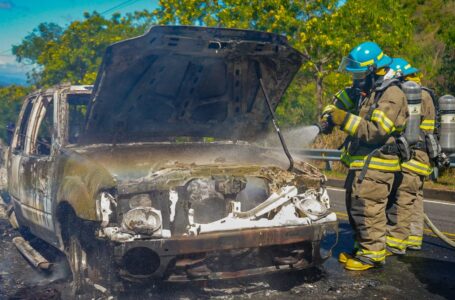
64	214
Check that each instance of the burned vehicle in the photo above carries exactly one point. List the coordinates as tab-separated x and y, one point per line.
157	173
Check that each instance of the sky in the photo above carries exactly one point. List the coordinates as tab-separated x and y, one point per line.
18	18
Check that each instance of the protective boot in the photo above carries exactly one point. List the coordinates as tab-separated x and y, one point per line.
354	264
343	257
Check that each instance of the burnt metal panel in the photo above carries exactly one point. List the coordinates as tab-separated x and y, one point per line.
189	81
195	249
229	240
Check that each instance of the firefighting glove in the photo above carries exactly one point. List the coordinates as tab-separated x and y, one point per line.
326	124
337	115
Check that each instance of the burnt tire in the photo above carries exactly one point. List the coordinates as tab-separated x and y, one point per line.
90	261
77	258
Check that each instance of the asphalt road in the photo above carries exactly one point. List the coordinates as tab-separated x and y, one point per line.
426	274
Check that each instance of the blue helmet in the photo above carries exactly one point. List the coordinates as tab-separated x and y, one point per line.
363	56
402	65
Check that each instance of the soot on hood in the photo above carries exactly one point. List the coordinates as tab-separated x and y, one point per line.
189	81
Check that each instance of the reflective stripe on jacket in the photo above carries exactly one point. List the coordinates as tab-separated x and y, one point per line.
344	101
417	167
389	115
354	162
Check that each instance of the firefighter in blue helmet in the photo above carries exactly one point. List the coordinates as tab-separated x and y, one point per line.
405	229
370	151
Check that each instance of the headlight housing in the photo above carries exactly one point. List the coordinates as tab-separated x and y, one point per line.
142	220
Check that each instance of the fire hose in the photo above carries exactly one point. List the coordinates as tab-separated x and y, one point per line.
438	233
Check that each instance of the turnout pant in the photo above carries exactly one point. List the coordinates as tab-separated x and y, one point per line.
366	206
416	230
405	212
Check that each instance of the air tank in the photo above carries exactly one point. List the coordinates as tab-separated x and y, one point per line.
413	93
447	118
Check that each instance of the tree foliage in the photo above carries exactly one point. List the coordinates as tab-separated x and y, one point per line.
323	30
74	54
11	98
34	43
432	49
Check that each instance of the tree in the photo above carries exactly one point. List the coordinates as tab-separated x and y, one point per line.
432	48
74	54
323	30
446	78
11	98
33	46
34	43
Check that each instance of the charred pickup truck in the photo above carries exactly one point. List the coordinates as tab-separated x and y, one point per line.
157	171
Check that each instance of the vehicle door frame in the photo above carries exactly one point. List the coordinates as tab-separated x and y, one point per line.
37	206
16	158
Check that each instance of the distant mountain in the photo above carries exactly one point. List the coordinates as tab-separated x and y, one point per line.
6	79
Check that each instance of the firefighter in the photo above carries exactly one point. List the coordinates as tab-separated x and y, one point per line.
346	99
370	151
406	222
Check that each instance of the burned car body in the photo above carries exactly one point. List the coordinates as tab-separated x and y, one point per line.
161	182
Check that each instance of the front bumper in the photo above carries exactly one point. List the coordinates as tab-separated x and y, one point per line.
198	257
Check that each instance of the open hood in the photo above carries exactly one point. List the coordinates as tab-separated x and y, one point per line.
189	81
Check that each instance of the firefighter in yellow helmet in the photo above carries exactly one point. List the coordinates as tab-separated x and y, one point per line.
371	151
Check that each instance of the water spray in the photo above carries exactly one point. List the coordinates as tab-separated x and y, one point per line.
316	129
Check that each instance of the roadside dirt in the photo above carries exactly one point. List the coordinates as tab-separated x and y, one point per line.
18	280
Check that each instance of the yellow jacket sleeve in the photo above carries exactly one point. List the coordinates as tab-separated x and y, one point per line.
389	115
345	99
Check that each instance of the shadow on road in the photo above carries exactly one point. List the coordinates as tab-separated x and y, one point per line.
229	288
345	239
437	275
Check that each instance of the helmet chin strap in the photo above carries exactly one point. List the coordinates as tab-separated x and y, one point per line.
370	80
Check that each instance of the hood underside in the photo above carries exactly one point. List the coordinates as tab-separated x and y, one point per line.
189	81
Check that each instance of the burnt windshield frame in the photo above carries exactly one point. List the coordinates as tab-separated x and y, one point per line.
77	109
